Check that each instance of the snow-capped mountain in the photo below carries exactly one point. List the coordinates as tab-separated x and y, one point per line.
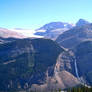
53	30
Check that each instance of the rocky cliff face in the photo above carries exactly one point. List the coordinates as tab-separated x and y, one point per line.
64	74
83	53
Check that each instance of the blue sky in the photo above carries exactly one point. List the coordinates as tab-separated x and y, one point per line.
32	14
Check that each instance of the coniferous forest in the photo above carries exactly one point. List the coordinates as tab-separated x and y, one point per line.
80	89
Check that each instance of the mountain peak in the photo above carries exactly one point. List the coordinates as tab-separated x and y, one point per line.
82	22
53	29
55	25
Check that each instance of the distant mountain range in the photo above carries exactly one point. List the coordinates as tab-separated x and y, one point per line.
5	33
51	30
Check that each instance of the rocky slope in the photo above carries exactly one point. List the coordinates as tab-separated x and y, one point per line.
82	22
83	53
64	74
74	36
25	62
79	39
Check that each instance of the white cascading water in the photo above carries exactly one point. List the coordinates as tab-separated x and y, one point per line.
77	74
76	69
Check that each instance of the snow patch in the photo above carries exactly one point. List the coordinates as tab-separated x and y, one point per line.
27	32
41	30
65	25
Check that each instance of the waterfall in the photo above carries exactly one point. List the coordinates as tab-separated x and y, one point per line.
76	69
77	74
